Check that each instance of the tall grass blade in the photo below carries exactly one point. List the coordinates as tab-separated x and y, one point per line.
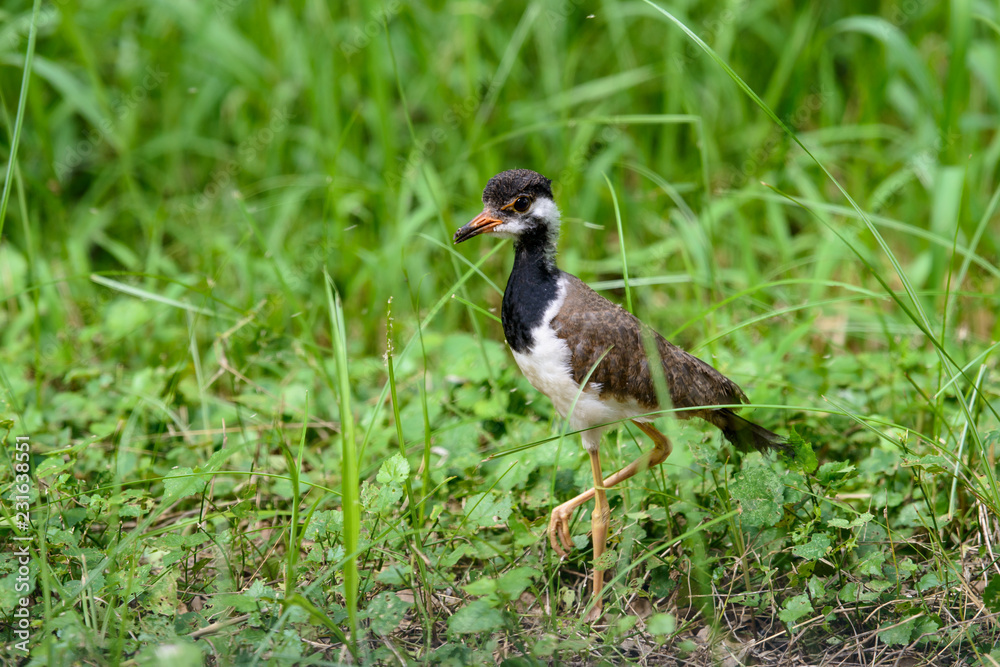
397	420
350	482
621	243
15	138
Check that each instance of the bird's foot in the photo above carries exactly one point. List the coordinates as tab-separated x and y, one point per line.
559	529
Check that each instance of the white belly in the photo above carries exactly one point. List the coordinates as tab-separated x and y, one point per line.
547	367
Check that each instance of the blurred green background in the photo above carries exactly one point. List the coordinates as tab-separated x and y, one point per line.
186	172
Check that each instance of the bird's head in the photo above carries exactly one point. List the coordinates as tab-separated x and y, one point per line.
516	204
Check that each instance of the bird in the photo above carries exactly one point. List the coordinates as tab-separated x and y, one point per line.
589	356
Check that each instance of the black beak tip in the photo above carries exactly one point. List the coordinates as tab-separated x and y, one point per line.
483	222
465	233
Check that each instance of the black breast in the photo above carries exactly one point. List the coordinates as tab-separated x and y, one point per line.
532	286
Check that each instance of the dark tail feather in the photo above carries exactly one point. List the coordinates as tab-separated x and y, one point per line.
746	435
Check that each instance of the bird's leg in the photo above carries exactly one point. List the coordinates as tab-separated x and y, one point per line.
661	447
561	515
599	525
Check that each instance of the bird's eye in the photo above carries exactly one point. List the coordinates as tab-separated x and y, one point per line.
522	204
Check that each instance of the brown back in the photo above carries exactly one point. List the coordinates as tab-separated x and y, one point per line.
591	325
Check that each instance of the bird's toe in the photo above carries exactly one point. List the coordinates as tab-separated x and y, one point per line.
559	536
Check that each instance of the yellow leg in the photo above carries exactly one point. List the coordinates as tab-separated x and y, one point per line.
561	515
599	521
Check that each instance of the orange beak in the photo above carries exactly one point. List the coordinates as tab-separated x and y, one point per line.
483	222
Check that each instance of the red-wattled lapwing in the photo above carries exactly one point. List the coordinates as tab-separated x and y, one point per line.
560	331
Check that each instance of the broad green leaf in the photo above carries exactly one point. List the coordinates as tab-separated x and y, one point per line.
928	581
816	588
393	575
859	520
871	564
180	483
450	558
387	500
925	625
747	599
130	509
607	560
161	597
622	626
758	491
51	465
802	457
854	592
215	461
815	548
916	515
238	601
905	568
879	585
481	586
176	652
835	473
991	595
258	589
324	522
934	463
383	497
661	624
897	634
477	616
660	583
513	583
546	646
9	597
849	592
795	608
488	509
386	611
465	357
395	470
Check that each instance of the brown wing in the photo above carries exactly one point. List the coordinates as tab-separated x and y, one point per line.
591	325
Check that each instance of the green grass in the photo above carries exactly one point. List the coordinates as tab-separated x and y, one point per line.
209	210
